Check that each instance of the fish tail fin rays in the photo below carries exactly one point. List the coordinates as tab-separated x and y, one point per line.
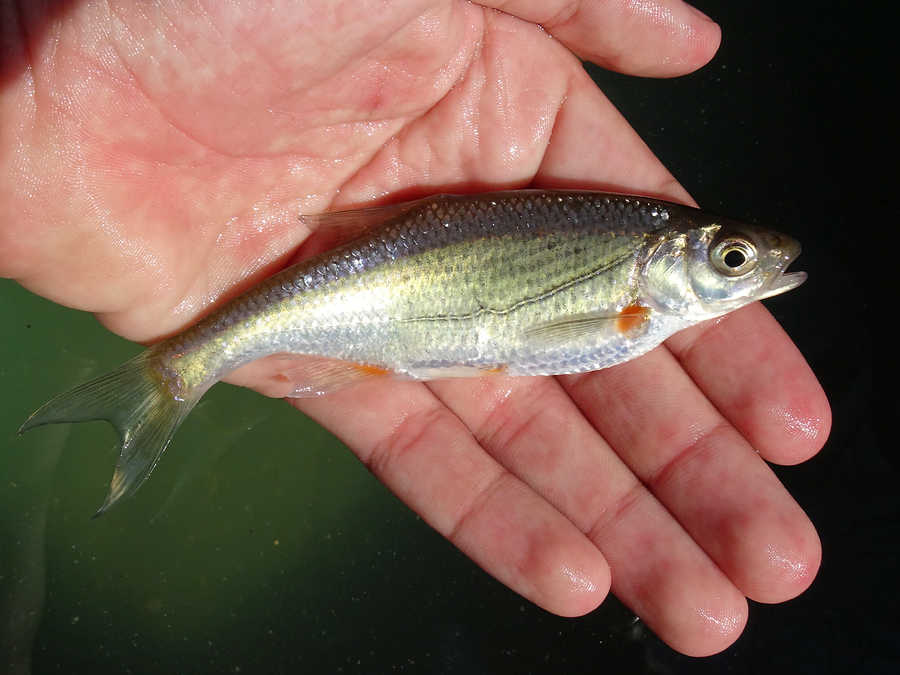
138	403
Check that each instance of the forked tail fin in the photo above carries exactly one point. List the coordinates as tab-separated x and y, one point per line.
138	403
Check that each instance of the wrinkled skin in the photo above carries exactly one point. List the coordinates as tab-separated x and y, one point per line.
153	162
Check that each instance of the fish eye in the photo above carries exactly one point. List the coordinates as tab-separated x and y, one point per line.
734	256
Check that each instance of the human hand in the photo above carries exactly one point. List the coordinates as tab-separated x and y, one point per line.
156	160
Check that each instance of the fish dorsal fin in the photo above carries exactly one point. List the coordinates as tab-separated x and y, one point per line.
629	321
338	227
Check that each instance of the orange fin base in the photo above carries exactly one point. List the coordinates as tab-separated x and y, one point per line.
631	317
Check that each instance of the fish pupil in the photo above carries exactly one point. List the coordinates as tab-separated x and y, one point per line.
734	258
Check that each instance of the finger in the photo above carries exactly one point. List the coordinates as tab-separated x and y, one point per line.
422	451
592	145
660	38
759	381
704	472
532	428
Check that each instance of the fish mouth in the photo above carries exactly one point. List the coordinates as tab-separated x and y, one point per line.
785	281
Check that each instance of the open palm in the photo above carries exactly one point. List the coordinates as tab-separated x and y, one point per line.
156	158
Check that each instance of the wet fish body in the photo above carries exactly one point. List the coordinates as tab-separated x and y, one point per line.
520	282
455	282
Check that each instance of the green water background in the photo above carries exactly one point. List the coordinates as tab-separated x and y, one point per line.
260	543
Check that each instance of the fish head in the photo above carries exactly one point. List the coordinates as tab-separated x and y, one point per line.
710	269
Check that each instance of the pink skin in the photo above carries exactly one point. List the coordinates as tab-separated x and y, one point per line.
172	149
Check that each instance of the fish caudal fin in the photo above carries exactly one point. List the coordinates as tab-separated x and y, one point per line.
138	403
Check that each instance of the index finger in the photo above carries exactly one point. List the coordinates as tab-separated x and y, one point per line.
659	38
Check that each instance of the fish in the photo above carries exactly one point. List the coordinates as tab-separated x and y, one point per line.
517	282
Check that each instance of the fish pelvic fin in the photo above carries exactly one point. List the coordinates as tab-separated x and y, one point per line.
138	403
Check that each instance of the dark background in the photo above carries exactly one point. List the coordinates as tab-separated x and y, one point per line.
268	560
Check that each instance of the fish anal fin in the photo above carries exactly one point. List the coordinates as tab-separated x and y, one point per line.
303	376
321	376
368	370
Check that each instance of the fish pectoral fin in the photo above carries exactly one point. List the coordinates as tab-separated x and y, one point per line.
629	321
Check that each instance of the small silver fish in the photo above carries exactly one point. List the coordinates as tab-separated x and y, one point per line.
526	282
